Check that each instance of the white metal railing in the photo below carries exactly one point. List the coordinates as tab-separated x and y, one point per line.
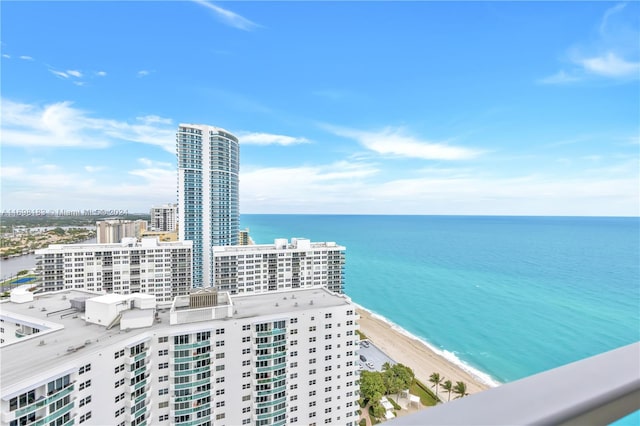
592	391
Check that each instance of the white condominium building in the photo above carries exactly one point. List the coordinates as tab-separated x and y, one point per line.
210	359
163	218
115	230
162	269
279	266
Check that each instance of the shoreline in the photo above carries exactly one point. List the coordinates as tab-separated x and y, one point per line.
413	352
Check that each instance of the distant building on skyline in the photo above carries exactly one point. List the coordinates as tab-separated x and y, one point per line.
208	200
244	239
163	218
110	231
263	268
147	266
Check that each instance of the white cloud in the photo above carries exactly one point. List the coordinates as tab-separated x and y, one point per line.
79	83
269	139
101	73
154	119
611	65
604	23
143	73
561	77
361	188
394	142
26	58
613	54
62	125
4	55
228	17
58	188
154	164
61	74
94	169
75	73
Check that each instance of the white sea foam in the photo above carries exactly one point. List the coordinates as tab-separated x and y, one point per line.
448	355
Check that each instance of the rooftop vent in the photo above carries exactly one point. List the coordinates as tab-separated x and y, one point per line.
41	343
31	306
311	302
43	309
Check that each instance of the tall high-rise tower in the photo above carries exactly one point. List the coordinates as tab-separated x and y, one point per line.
208	203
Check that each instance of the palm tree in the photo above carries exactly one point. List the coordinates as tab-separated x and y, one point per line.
436	380
460	389
448	386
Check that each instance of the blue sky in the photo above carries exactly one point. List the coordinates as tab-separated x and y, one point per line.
497	108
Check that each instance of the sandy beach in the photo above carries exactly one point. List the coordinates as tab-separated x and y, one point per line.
415	354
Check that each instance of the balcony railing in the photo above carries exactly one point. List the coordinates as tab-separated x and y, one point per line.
593	391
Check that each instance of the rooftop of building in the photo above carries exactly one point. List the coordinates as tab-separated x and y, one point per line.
128	242
286	302
34	353
279	244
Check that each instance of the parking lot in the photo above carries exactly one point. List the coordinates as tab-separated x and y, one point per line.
373	355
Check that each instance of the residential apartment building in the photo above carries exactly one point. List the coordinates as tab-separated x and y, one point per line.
210	359
279	266
208	203
114	230
244	239
164	218
162	269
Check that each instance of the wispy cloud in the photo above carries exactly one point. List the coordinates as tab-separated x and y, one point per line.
94	169
60	74
228	17
352	188
143	73
249	138
26	58
69	75
604	22
4	55
394	142
612	55
561	77
611	65
61	125
101	73
41	188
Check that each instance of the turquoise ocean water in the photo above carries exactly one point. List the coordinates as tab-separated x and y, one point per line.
505	297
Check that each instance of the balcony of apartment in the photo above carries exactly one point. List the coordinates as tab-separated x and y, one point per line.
132	359
268	392
271	402
190	372
594	391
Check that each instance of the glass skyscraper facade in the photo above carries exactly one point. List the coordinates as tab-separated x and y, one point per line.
208	200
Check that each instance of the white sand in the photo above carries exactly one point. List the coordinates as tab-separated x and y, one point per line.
416	355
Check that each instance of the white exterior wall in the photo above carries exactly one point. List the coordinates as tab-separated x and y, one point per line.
163	218
279	266
320	382
162	269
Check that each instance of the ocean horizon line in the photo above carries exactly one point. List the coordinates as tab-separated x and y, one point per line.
442	215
